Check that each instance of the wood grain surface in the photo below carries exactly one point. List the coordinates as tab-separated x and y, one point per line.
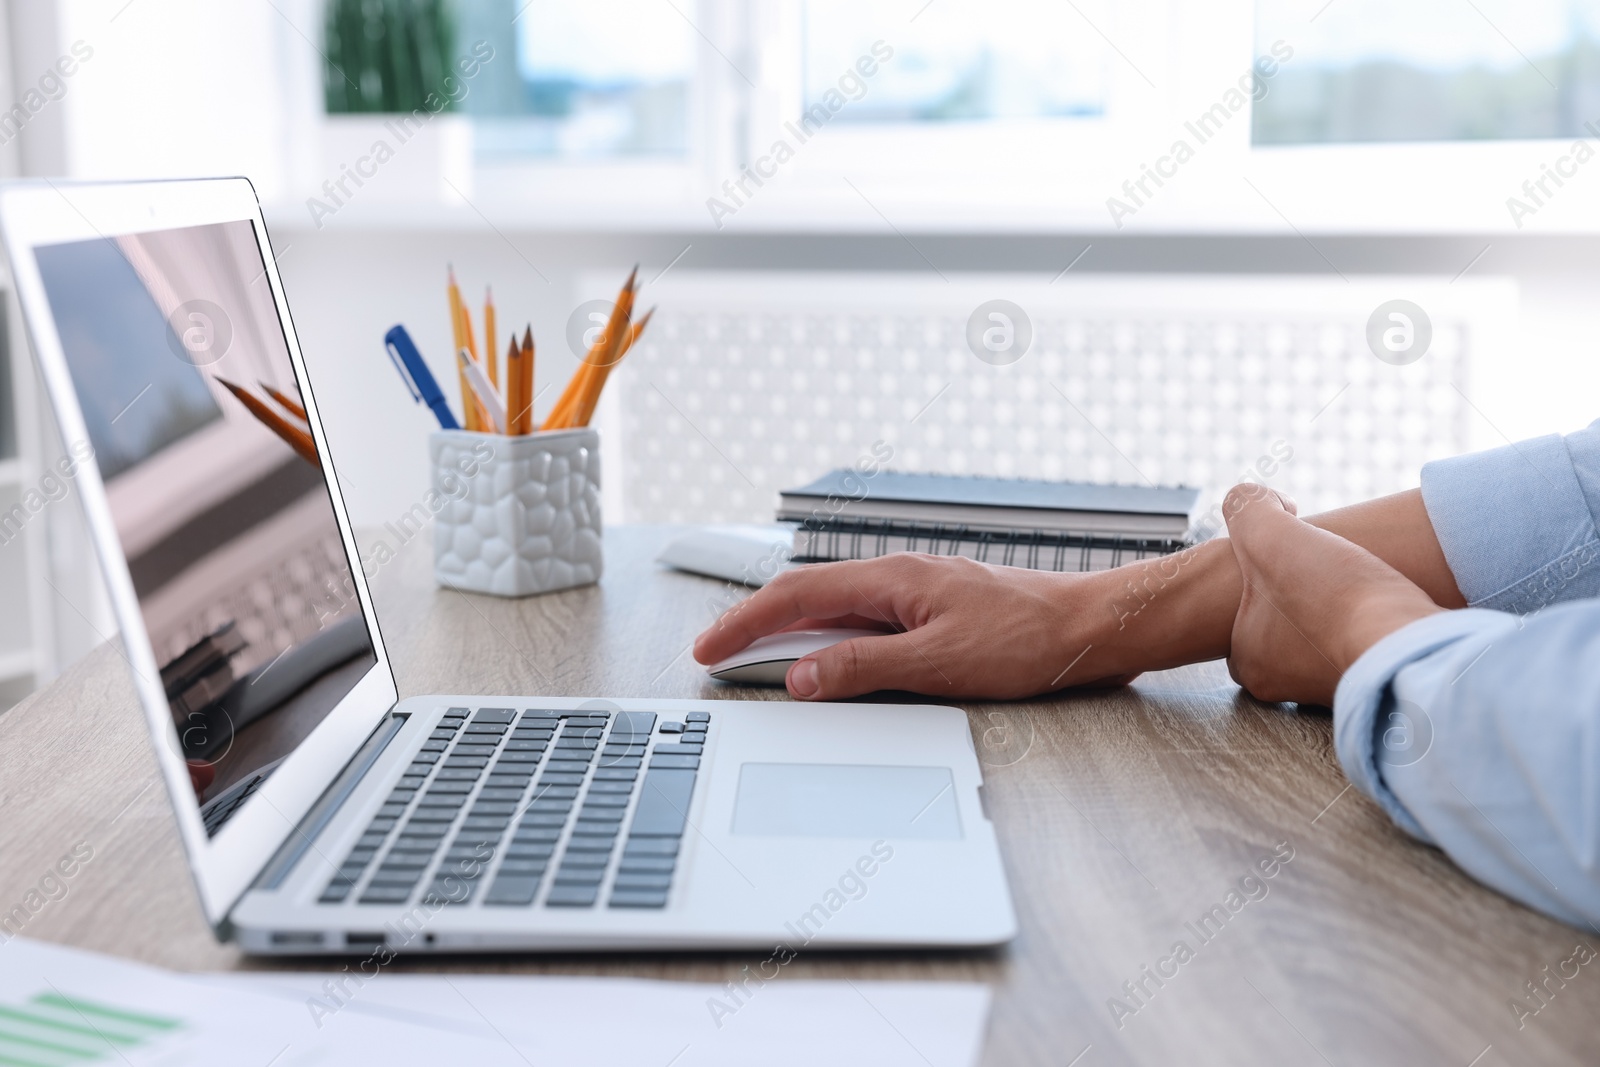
1125	817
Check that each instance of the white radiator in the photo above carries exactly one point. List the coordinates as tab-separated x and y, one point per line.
750	383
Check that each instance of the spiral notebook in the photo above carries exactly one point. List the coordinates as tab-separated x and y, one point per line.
1041	525
1040	550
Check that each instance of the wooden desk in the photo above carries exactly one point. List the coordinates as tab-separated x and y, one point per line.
1124	816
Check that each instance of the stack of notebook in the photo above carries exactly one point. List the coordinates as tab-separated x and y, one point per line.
1043	525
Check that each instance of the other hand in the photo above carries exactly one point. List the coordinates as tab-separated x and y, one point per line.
1312	602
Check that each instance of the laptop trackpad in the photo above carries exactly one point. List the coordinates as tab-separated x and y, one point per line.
846	800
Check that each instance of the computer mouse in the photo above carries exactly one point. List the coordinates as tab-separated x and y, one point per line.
766	660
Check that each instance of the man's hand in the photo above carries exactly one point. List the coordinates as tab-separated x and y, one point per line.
1312	602
952	627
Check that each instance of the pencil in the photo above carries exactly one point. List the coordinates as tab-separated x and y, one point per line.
591	399
490	407
525	413
489	336
289	404
604	351
292	435
515	399
468	412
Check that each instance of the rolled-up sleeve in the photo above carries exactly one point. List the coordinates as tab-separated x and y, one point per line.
1479	732
1518	524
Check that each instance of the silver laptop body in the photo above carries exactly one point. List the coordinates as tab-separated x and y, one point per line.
321	814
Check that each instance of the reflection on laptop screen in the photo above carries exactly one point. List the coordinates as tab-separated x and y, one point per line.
243	583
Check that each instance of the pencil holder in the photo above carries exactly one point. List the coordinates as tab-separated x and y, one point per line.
521	515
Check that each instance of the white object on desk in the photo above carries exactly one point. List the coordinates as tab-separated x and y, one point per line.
521	515
766	660
92	1008
775	1021
744	553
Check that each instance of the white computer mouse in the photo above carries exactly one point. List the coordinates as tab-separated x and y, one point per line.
766	660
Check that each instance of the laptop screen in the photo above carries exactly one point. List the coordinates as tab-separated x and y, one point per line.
182	371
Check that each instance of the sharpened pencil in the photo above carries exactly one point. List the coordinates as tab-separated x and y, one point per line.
292	435
289	404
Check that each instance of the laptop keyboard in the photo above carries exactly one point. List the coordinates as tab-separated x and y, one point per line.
474	785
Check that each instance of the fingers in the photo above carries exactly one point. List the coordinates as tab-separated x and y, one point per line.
862	590
866	665
1254	512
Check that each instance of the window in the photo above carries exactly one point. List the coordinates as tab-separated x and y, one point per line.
1002	59
1431	70
596	80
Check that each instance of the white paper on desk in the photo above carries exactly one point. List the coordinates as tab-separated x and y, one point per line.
612	1022
65	1006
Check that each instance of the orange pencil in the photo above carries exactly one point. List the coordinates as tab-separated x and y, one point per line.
527	380
292	435
591	399
289	404
515	399
602	353
489	336
469	414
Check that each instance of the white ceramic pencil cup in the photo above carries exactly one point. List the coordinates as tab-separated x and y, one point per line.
522	514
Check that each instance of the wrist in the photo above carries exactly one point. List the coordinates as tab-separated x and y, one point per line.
1374	616
1158	613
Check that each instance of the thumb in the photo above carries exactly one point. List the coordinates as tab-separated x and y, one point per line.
863	665
1253	511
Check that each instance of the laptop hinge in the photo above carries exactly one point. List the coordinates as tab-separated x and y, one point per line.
327	805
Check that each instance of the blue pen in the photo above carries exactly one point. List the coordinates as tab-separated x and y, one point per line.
408	361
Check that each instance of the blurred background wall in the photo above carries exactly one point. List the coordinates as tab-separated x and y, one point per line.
1198	205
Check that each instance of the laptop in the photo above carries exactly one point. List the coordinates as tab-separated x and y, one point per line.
319	812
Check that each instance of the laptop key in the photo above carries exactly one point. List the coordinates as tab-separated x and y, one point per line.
589	876
531	866
572	896
530	850
554	791
501	794
499	715
620	785
672	727
616	774
642	881
660	759
697	716
545	818
649	846
569	781
474	729
590	843
518	756
605	800
638	898
431	745
664	802
426	758
633	863
465	749
459	774
592	861
386	894
596	827
526	832
512	890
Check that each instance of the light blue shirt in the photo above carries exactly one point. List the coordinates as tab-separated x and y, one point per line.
1479	730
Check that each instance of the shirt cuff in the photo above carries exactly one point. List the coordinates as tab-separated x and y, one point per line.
1516	523
1364	708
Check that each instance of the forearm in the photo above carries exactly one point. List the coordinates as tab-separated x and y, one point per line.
1179	609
